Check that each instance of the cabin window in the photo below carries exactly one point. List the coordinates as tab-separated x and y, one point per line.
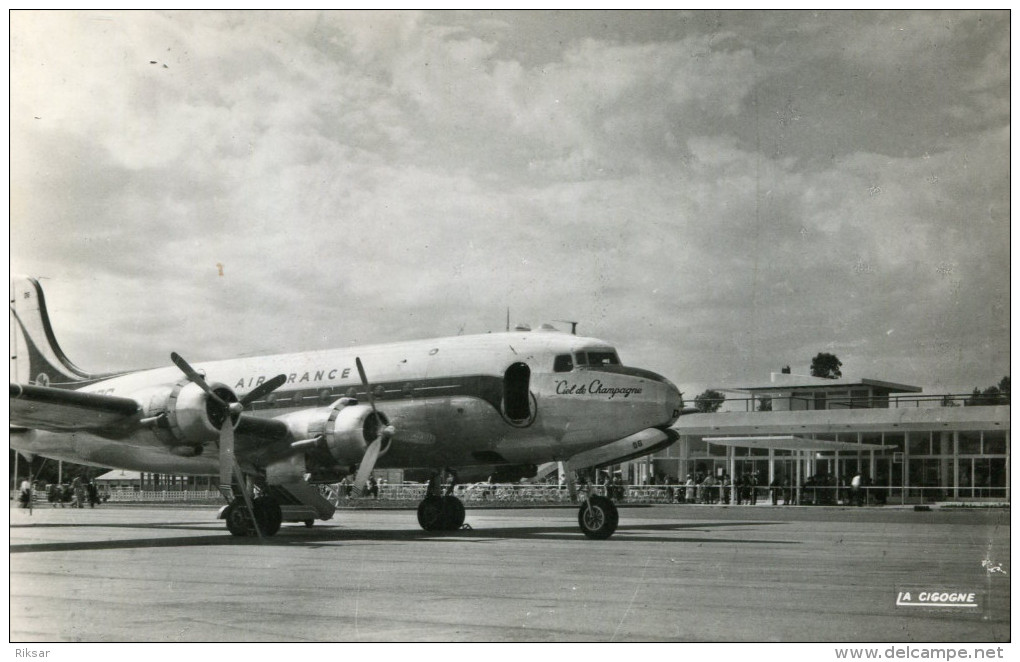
602	358
597	357
563	363
516	399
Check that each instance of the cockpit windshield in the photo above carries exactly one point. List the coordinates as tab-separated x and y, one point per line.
596	357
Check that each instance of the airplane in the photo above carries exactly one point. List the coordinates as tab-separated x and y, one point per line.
273	428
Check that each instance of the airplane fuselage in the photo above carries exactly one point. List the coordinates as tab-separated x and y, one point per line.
493	399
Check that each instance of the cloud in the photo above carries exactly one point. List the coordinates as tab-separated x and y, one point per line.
719	193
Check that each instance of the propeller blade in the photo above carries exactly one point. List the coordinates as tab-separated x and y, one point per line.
227	454
263	389
195	378
367	464
372	452
366	384
229	468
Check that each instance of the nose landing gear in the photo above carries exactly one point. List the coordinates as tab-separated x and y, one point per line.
598	517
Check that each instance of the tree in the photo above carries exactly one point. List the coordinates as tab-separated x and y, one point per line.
709	401
826	365
990	396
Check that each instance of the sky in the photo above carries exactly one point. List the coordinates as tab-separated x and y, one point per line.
718	194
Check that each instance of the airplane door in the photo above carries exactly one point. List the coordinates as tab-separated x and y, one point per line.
517	405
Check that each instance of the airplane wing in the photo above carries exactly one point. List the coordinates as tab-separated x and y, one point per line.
61	410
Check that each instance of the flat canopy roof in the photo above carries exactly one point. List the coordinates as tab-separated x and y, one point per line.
781	382
120	474
792	443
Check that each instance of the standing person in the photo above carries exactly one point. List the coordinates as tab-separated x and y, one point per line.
93	494
25	494
708	486
79	493
689	489
752	486
373	486
855	489
53	495
774	488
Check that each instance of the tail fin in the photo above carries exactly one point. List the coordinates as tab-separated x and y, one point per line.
36	357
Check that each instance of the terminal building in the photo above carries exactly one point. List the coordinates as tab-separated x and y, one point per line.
796	430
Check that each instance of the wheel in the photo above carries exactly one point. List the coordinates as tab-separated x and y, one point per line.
239	521
453	513
430	513
598	518
309	523
268	513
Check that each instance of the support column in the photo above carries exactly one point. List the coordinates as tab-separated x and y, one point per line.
1007	466
955	462
731	468
796	492
948	446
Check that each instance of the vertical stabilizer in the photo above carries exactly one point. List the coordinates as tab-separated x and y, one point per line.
36	358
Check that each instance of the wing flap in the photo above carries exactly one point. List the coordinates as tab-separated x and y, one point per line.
61	410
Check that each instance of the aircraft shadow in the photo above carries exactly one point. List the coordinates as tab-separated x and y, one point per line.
330	536
186	526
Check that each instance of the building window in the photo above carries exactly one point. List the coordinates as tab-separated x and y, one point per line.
889	439
820	400
995	443
920	443
970	443
839	400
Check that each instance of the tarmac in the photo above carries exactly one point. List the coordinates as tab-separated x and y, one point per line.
671	573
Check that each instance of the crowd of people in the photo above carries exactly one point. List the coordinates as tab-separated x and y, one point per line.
744	489
704	487
79	493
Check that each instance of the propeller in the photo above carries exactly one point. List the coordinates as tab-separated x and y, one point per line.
385	432
230	411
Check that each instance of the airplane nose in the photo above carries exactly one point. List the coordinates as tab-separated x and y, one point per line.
674	402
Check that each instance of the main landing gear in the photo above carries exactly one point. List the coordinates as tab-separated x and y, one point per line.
268	517
440	510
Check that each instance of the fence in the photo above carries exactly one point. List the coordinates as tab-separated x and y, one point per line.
864	402
496	494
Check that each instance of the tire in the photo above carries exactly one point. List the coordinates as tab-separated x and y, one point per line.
239	521
453	513
269	515
430	513
598	518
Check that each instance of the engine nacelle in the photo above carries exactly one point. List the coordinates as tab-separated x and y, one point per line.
187	418
346	428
